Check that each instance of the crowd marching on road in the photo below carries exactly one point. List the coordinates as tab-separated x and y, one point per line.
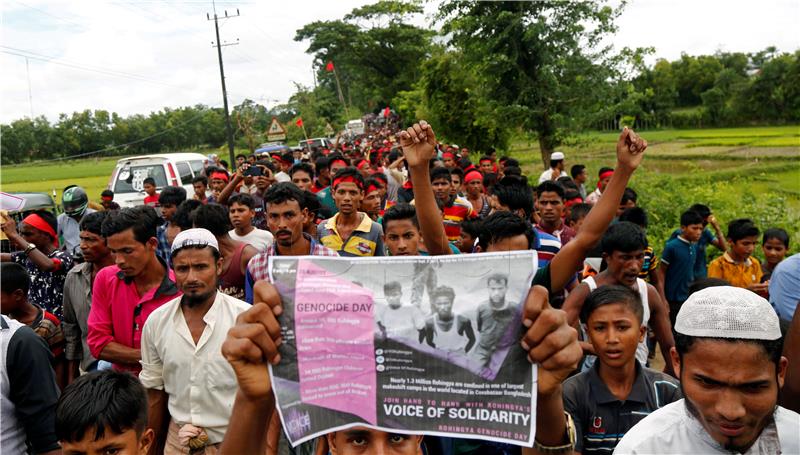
157	336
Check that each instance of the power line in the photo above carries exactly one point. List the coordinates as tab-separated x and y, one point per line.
219	45
59	18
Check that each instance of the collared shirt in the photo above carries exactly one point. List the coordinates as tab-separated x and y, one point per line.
739	274
564	234
546	246
672	429
784	287
679	256
365	240
548	175
46	288
199	381
700	266
118	312
258	267
601	419
69	230
77	302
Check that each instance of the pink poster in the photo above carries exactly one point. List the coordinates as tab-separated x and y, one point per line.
335	349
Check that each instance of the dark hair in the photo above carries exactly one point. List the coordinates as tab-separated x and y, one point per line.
183	216
511	162
322	163
349	171
472	227
741	228
441	173
624	237
778	234
142	219
457	171
172	195
444	291
607	295
224	165
200	179
13	276
464	163
604	169
772	348
567	183
401	211
579	211
149	180
512	170
98	401
554	163
484	158
242	199
107	193
707	282
392	286
515	194
703	210
691	217
213	217
241	155
311	202
489	180
302	167
549	186
635	215
48	218
93	222
576	170
629	195
282	192
502	225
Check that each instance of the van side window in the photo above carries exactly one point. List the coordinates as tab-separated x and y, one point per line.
185	172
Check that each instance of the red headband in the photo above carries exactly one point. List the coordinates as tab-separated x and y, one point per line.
107	198
363	164
348	179
485	160
606	174
473	175
446	155
573	201
219	176
371	187
39	223
338	161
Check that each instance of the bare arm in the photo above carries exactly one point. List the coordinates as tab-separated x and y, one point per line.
661	271
574	303
158	418
418	146
630	150
659	321
228	190
720	242
119	353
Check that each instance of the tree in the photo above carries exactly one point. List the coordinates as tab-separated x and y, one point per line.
542	64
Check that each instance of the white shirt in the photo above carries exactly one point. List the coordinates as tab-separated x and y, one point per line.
258	238
594	196
199	381
281	177
403	322
671	429
548	175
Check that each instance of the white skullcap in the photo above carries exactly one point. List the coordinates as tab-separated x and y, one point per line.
194	237
555	156
728	312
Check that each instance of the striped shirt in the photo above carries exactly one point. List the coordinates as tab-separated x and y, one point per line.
546	245
365	240
454	214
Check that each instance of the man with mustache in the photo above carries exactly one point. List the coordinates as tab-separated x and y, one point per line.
190	386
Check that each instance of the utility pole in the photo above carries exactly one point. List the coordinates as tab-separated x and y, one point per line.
219	45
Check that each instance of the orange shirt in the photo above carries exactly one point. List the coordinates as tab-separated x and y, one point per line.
739	274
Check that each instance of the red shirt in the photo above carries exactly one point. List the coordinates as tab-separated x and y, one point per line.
152	201
454	214
118	313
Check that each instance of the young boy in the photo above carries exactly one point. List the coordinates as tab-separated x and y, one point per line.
470	230
735	265
200	185
169	200
14	283
241	210
775	244
396	319
149	185
623	247
618	391
706	238
678	262
104	412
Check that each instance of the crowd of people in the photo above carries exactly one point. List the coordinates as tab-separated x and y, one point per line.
148	329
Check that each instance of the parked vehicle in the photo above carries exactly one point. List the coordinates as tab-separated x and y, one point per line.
270	149
167	169
320	142
355	127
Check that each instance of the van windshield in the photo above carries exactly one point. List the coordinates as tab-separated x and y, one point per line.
130	178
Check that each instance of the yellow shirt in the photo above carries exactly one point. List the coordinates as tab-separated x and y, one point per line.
739	274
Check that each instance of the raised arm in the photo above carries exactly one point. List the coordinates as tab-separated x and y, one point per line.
419	142
630	151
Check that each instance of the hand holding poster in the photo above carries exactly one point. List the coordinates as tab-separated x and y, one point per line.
418	345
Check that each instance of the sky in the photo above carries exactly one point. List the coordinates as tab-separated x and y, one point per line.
136	57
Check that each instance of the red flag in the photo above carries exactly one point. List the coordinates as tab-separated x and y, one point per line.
329	66
299	122
386	112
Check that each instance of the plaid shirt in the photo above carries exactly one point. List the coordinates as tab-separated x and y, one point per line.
164	249
258	267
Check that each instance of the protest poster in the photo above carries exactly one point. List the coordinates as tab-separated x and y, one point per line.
414	345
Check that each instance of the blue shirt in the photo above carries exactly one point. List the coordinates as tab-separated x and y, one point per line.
700	266
164	248
784	287
680	257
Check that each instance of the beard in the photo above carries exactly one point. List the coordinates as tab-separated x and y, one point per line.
195	300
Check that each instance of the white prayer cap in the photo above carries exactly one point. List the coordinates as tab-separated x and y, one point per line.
194	237
728	312
555	156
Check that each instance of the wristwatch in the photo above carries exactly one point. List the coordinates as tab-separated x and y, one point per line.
29	248
564	448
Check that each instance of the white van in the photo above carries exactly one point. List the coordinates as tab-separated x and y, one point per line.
355	127
167	169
